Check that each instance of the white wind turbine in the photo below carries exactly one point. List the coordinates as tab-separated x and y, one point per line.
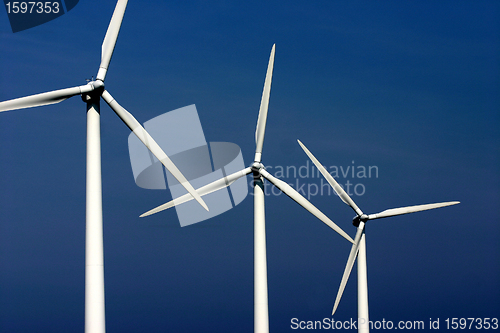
94	269
359	246
261	314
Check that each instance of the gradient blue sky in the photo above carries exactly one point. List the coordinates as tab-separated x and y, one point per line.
410	87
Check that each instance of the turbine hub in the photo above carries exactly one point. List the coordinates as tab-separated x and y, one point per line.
256	166
97	87
97	84
358	219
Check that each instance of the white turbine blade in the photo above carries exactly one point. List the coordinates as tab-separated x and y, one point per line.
207	189
336	187
297	197
46	98
410	209
108	45
348	266
264	103
149	142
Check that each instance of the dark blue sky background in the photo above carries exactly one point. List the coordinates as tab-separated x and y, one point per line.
409	87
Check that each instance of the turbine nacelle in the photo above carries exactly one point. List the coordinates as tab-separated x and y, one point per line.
97	88
256	167
356	220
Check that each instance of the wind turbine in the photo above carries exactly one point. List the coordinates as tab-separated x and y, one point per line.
359	246
261	314
94	269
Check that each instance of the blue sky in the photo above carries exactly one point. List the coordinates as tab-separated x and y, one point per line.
412	88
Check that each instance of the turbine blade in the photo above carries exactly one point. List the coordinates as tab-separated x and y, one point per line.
297	197
348	266
207	189
410	209
51	97
108	45
336	187
149	142
264	103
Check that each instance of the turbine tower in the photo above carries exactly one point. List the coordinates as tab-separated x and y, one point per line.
359	246
261	313
91	92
